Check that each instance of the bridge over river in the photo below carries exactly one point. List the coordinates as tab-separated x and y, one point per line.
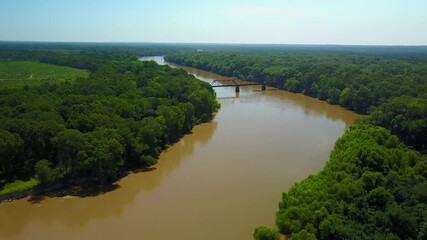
236	83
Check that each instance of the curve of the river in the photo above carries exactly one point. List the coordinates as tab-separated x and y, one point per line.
219	182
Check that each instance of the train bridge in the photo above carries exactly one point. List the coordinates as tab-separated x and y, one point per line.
236	83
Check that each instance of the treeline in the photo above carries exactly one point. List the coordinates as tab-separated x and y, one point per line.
60	54
84	55
392	89
119	118
372	187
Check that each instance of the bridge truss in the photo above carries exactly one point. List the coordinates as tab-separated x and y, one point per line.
235	83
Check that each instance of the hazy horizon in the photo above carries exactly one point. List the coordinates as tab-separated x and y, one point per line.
219	43
288	22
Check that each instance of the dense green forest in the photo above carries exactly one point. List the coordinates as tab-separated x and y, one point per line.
120	117
373	186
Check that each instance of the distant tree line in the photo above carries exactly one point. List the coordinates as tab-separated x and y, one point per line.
84	55
119	118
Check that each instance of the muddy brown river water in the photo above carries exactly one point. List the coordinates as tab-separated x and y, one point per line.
218	183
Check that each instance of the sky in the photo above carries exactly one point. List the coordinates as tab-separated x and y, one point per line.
348	22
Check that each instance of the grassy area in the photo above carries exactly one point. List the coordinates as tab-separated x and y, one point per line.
20	73
18	186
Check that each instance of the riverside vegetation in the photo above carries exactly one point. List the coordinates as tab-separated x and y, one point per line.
121	116
375	184
90	127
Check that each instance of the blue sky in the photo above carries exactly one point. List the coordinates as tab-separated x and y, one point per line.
373	22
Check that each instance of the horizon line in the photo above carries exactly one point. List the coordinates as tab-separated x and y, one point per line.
216	43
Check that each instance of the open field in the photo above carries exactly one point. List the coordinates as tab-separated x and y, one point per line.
18	186
17	74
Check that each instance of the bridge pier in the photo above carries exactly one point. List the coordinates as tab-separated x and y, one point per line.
237	88
263	87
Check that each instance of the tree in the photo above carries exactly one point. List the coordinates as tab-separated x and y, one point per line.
379	197
346	97
43	172
362	99
292	85
404	224
69	143
333	96
204	104
303	235
266	233
103	156
126	83
174	118
11	154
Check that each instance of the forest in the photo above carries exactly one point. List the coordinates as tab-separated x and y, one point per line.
114	113
374	185
92	126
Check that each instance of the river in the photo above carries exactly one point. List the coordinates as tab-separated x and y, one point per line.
220	182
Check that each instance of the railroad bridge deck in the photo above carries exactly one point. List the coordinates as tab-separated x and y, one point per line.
236	83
